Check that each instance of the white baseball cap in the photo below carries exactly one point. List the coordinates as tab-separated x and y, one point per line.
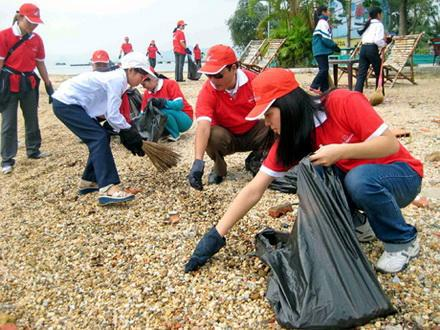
136	60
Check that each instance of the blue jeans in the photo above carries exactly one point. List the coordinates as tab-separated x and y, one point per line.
101	167
177	122
321	80
380	190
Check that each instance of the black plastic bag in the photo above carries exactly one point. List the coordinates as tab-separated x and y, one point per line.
135	100
286	184
193	69
320	277
150	123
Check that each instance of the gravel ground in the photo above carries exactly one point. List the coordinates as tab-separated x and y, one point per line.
67	263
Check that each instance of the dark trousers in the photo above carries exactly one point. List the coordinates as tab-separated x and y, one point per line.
101	167
199	63
180	62
152	62
9	141
222	142
369	55
321	80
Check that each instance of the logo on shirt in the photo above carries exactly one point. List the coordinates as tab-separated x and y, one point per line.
347	138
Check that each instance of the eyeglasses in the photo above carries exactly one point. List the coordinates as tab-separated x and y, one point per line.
215	76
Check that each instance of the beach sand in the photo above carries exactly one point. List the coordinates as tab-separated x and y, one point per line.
67	263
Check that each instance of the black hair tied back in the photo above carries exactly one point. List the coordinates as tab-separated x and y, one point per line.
373	13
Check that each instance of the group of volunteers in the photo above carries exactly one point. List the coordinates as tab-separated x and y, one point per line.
236	111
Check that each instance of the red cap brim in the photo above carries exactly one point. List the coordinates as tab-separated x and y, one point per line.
259	110
208	68
34	20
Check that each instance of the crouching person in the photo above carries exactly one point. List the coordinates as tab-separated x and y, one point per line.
169	98
81	101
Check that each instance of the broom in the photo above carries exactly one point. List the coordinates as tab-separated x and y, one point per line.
377	97
162	157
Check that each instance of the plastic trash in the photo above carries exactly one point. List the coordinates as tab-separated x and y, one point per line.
320	277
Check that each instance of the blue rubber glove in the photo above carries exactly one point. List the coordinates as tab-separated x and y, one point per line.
196	173
209	245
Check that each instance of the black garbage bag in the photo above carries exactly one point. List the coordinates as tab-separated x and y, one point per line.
193	69
150	123
135	100
286	184
320	277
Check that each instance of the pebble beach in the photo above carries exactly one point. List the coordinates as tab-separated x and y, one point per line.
68	263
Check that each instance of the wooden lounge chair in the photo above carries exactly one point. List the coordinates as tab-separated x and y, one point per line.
251	52
401	52
265	54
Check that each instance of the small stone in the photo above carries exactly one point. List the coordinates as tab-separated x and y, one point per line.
280	210
396	279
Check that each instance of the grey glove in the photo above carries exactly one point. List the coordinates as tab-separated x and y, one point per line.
49	91
158	102
196	173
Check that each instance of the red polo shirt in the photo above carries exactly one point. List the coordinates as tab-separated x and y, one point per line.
152	50
170	90
126	48
24	58
349	118
226	110
197	53
178	36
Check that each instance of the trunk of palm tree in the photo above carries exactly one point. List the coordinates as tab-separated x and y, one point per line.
349	23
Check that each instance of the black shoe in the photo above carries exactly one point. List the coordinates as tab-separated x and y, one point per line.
213	178
39	155
183	80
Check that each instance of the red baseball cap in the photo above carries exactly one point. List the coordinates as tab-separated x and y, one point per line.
100	56
217	58
31	12
268	86
181	22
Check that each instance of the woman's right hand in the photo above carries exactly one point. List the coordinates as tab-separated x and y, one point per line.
209	245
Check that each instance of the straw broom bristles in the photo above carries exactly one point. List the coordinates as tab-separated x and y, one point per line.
162	157
377	97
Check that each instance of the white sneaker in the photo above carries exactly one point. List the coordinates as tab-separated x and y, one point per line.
365	233
173	139
394	262
7	169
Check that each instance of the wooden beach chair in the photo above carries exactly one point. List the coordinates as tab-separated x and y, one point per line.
251	52
268	54
401	51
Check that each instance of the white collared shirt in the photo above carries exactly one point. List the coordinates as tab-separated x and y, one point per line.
98	93
374	34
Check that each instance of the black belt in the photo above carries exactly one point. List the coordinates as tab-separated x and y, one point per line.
369	44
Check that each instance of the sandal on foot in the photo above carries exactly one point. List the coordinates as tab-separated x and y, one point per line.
120	196
87	187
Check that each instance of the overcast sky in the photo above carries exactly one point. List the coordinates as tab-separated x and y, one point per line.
74	28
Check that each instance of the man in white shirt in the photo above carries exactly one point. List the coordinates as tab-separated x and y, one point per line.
81	102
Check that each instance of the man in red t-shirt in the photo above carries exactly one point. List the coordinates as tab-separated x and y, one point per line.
222	105
21	84
180	49
126	47
151	53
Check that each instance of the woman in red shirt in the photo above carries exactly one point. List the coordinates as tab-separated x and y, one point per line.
170	99
151	53
20	84
180	49
197	55
378	174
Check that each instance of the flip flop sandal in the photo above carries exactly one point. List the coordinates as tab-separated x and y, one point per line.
118	197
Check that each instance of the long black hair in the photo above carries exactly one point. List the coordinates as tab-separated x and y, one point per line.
318	13
373	13
297	137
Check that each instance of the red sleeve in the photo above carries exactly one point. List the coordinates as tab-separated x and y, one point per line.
3	44
360	117
206	103
271	166
124	109
41	55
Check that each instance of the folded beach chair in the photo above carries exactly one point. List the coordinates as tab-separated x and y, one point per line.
268	54
401	51
251	52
